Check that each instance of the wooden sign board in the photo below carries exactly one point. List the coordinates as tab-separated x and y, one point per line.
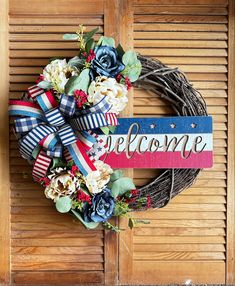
171	142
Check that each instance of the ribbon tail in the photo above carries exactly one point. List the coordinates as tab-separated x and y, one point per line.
80	158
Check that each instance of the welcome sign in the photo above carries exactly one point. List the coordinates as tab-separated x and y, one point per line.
171	142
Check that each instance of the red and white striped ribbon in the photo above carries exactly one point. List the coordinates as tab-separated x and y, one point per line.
41	166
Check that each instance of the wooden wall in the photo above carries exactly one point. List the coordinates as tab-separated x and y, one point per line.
193	237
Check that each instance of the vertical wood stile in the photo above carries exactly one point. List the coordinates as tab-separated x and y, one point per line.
4	153
111	29
126	237
230	250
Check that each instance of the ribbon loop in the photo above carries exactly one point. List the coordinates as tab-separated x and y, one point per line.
67	105
66	134
54	117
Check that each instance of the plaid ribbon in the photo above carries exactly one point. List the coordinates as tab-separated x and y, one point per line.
45	126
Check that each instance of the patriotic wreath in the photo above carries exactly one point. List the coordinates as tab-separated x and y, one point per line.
58	122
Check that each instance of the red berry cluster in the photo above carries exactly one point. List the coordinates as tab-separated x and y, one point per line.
81	97
83	197
89	56
45	181
127	81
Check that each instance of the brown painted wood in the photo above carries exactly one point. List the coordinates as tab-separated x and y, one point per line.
230	263
4	152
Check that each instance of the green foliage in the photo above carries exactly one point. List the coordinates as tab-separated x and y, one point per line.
76	62
110	226
121	186
105	130
88	225
121	208
90	45
88	36
44	84
106	41
132	66
70	37
63	204
112	129
58	162
134	222
78	82
120	50
116	175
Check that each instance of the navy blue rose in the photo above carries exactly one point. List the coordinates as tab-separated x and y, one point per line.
101	208
106	62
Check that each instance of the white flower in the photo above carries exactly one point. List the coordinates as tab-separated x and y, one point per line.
61	185
58	73
97	180
116	93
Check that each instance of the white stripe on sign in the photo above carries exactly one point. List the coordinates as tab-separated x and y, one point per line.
160	140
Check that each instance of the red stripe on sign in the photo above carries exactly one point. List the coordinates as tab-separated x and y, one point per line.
159	160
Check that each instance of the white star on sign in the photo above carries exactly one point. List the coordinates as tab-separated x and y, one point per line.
193	125
153	126
173	125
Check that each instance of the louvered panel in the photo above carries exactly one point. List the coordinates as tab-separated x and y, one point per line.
186	239
47	247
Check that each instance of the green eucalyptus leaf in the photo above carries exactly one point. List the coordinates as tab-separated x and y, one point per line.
76	62
90	45
44	84
106	41
117	174
88	225
132	71
78	82
70	36
100	41
129	58
112	128
105	130
63	204
90	34
121	186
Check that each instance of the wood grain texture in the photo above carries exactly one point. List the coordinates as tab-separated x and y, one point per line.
4	152
126	236
230	263
48	248
179	236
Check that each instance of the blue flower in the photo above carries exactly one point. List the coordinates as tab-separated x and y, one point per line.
101	209
106	62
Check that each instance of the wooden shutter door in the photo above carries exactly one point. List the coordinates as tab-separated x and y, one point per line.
46	247
191	239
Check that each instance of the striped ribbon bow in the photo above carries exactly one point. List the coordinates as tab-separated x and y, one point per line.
45	123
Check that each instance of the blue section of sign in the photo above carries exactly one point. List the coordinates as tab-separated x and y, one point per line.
167	125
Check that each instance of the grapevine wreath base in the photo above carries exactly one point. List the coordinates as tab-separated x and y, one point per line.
58	122
171	85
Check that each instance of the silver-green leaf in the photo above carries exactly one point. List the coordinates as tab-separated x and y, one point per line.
44	84
63	204
121	186
78	82
70	36
88	225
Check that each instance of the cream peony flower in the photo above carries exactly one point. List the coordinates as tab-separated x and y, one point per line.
97	180
61	185
116	93
58	73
